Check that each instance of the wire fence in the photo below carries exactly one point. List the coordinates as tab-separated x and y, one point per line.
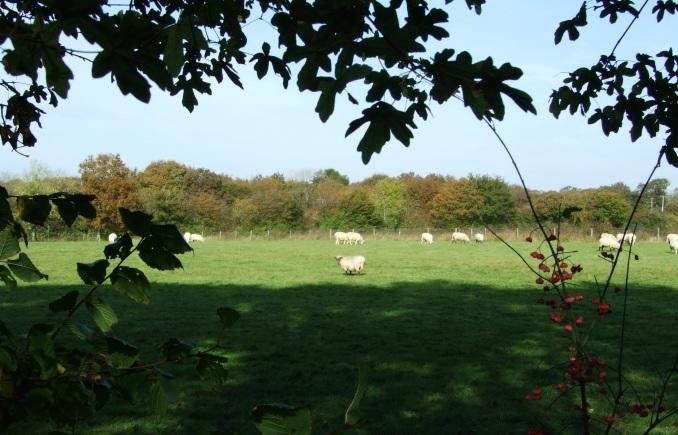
509	233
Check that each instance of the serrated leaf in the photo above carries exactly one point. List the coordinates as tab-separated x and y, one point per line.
174	349
154	254
79	329
9	245
279	419
33	209
102	313
211	367
65	302
171	238
120	248
352	415
227	316
24	269
120	353
131	282
93	273
66	209
7	278
139	223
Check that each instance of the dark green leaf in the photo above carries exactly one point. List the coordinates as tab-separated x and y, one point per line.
64	303
67	210
154	254
93	273
83	203
175	349
279	419
671	156
174	50
171	238
41	348
24	269
34	209
7	278
137	222
9	245
120	248
102	314
7	359
157	398
211	367
131	282
227	316
120	353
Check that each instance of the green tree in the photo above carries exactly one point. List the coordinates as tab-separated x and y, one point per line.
357	210
498	206
108	178
609	208
389	196
330	175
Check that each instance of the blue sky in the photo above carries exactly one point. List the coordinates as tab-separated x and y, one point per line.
265	129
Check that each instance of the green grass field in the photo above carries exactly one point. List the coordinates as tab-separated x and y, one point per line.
452	334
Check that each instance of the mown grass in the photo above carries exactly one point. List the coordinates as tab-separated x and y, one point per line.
451	334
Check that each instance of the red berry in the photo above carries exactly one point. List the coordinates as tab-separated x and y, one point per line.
528	239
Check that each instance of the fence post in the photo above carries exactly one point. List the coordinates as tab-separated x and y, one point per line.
219	234
517	233
290	234
268	234
398	233
374	232
235	235
591	232
658	227
250	235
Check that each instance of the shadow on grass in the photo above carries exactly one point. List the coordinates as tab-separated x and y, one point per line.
443	358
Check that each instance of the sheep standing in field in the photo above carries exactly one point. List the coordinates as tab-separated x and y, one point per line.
673	244
354	238
187	237
197	238
608	241
340	237
351	264
630	238
112	238
427	238
460	237
479	237
669	237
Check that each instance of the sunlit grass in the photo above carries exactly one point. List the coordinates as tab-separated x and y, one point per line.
451	333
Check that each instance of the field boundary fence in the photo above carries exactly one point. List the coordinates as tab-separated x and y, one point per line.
509	233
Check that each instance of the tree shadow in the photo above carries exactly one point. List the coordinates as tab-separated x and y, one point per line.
443	357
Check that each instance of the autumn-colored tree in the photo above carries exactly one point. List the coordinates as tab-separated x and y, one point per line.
420	194
114	185
357	210
458	203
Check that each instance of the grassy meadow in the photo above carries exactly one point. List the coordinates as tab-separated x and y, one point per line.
451	333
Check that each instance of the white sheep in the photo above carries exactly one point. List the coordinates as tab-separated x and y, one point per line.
673	244
479	237
608	241
340	237
630	238
112	238
460	237
354	238
427	238
187	237
351	264
671	236
197	238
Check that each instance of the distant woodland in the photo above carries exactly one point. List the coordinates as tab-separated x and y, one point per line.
201	200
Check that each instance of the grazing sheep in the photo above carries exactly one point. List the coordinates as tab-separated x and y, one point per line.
673	244
608	241
630	238
351	264
671	236
197	238
478	237
354	238
340	237
427	238
112	238
460	237
187	237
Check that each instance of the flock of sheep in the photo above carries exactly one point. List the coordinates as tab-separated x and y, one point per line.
456	237
189	237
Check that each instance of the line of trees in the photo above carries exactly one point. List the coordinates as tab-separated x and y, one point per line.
198	199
